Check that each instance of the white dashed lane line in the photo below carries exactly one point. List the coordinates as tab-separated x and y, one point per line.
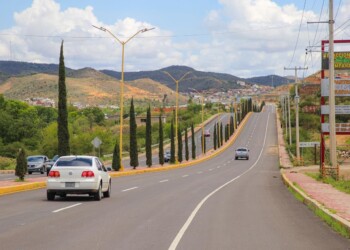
163	181
186	175
199	172
129	189
64	208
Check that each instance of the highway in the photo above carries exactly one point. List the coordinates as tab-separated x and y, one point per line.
224	118
221	203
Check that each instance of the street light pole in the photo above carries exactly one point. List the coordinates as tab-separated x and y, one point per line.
122	87
177	105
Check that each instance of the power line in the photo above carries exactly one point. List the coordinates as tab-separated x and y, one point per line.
297	41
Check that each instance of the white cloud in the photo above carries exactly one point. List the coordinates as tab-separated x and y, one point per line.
246	38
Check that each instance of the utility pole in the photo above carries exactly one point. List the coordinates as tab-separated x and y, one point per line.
296	109
290	129
332	132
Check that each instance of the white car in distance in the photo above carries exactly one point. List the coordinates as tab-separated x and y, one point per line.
78	175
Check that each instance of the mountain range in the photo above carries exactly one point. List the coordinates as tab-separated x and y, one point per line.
20	80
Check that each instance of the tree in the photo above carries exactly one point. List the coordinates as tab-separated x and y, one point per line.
186	146
172	143
179	145
62	119
116	157
218	135
148	138
193	142
21	164
203	142
221	135
232	126
215	138
161	149
134	158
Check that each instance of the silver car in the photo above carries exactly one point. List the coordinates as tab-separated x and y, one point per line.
78	175
37	163
242	153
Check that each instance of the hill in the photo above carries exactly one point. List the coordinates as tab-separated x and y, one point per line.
86	90
196	79
270	80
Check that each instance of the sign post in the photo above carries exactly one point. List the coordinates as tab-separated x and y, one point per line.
96	142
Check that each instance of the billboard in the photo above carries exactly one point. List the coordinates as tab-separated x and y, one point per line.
341	60
341	87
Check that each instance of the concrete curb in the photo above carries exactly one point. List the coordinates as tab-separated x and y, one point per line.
42	184
313	204
22	187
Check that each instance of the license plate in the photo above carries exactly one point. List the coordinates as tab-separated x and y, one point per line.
70	184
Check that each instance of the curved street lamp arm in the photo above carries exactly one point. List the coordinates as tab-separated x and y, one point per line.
121	42
170	76
184	76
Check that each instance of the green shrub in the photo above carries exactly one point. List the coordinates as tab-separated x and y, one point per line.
7	163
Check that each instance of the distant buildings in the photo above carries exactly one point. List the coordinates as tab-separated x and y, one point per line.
39	101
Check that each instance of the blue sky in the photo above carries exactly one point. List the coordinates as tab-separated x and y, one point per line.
243	38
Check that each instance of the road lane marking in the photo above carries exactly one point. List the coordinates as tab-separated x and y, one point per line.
189	220
163	181
129	189
211	169
199	172
186	175
218	167
61	209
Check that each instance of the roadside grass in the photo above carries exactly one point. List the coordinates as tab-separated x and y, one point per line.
341	185
334	224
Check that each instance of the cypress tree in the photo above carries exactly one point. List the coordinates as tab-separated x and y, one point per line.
148	138
134	159
116	157
221	135
203	142
226	132
161	149
179	144
186	146
62	119
193	142
232	126
218	135
215	138
21	164
172	143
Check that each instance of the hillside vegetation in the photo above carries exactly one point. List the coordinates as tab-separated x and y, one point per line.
86	86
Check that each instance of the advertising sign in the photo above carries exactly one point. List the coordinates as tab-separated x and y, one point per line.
339	127
309	144
339	109
341	60
341	88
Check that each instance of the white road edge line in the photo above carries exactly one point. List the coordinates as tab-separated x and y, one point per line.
129	189
163	180
61	209
182	231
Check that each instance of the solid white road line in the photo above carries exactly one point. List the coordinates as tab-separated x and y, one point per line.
182	231
163	181
129	189
61	209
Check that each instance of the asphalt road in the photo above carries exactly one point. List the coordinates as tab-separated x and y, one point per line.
224	118
219	204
